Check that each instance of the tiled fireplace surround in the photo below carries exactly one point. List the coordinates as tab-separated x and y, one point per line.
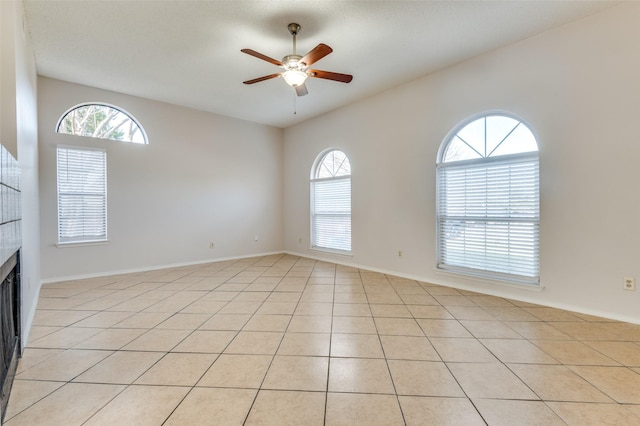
10	243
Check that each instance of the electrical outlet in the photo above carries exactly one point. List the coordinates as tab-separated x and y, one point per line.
211	245
255	238
300	240
399	253
629	283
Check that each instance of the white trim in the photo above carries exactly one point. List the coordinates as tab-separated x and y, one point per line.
82	243
475	266
519	157
342	253
320	157
28	318
108	105
60	147
461	124
497	293
153	268
82	147
567	307
314	182
487	279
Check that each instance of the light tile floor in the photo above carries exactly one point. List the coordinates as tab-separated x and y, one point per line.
283	340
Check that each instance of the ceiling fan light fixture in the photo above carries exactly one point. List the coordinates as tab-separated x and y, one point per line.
296	67
294	78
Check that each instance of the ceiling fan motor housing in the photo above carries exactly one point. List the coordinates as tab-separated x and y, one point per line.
292	62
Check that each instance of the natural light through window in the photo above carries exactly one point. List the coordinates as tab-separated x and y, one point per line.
488	200
334	164
490	136
331	203
82	195
102	122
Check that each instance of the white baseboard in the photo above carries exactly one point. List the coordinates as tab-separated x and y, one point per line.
153	268
28	320
462	286
341	261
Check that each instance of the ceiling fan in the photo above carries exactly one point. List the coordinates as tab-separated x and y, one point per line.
296	67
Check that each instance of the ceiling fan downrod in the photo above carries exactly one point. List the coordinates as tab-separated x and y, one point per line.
294	29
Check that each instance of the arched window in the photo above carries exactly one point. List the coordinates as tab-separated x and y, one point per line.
488	200
103	122
331	202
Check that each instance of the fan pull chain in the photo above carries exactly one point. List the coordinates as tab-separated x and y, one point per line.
295	104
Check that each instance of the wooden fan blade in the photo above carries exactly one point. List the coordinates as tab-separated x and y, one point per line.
328	75
317	53
301	90
261	56
263	78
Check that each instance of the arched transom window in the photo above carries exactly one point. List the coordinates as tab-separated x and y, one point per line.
488	200
102	122
331	202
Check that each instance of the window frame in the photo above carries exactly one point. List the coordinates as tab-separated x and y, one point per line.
516	158
315	179
103	104
70	241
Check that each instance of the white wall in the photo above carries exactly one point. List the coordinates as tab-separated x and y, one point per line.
202	178
578	87
8	24
20	136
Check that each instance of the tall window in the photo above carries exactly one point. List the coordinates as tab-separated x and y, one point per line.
103	122
331	202
82	195
488	200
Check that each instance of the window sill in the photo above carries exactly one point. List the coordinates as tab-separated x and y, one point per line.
81	244
484	279
331	251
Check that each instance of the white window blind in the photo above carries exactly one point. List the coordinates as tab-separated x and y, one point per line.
488	217
488	214
331	203
82	195
332	214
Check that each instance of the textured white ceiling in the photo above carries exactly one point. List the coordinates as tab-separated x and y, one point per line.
188	52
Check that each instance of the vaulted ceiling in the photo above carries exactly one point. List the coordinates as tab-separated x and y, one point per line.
188	52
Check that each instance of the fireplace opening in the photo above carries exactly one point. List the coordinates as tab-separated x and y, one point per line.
10	345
